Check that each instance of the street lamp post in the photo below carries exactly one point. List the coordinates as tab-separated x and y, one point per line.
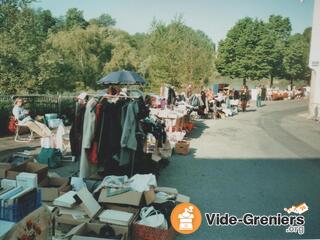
314	63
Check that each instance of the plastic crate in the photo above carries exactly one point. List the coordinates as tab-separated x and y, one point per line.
54	123
16	212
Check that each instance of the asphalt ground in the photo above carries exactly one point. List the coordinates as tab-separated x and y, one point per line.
260	162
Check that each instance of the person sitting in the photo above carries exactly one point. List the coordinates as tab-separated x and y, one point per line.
23	117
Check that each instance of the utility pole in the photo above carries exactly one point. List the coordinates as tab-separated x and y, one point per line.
314	64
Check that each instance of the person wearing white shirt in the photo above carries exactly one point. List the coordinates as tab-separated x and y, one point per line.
23	117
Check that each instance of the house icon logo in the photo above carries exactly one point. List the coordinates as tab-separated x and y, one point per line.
186	218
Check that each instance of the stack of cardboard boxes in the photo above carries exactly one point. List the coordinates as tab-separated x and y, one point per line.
83	214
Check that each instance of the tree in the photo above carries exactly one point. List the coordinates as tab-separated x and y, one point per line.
295	57
239	55
278	30
176	54
80	54
124	57
45	20
74	18
22	35
104	20
307	36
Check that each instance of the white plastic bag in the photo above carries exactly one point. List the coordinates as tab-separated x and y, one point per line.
152	218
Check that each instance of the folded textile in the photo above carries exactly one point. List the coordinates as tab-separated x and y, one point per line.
121	182
139	183
143	182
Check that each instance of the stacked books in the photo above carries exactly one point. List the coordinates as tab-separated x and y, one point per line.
16	202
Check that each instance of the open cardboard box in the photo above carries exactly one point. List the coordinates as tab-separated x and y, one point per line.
87	205
92	208
40	169
131	198
51	188
78	233
69	220
3	169
129	209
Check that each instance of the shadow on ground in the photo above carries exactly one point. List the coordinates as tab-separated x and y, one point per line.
258	186
199	128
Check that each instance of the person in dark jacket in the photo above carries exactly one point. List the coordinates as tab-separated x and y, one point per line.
244	96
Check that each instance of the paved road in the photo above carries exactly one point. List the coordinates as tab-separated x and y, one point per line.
260	162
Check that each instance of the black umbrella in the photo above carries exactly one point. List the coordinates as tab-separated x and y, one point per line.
122	77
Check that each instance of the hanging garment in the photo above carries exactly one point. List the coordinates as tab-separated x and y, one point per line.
128	138
59	137
110	134
76	131
93	151
86	168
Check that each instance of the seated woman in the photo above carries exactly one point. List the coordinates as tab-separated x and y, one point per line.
23	117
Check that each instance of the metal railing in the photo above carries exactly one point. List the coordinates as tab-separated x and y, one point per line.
38	105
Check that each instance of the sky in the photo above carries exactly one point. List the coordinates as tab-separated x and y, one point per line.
214	17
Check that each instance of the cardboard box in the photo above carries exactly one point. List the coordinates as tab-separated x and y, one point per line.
69	220
182	147
142	232
88	203
87	209
131	198
3	169
40	169
51	188
65	217
27	180
38	222
78	233
129	209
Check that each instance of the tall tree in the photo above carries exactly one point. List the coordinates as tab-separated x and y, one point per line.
239	55
104	20
22	35
80	54
295	58
74	18
176	54
278	30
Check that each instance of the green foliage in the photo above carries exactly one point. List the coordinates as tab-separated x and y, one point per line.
295	58
104	20
40	53
255	50
74	18
74	58
242	53
176	54
22	34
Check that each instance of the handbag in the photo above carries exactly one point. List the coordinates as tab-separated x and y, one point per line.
152	218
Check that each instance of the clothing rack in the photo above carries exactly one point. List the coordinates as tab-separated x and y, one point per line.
112	96
109	96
